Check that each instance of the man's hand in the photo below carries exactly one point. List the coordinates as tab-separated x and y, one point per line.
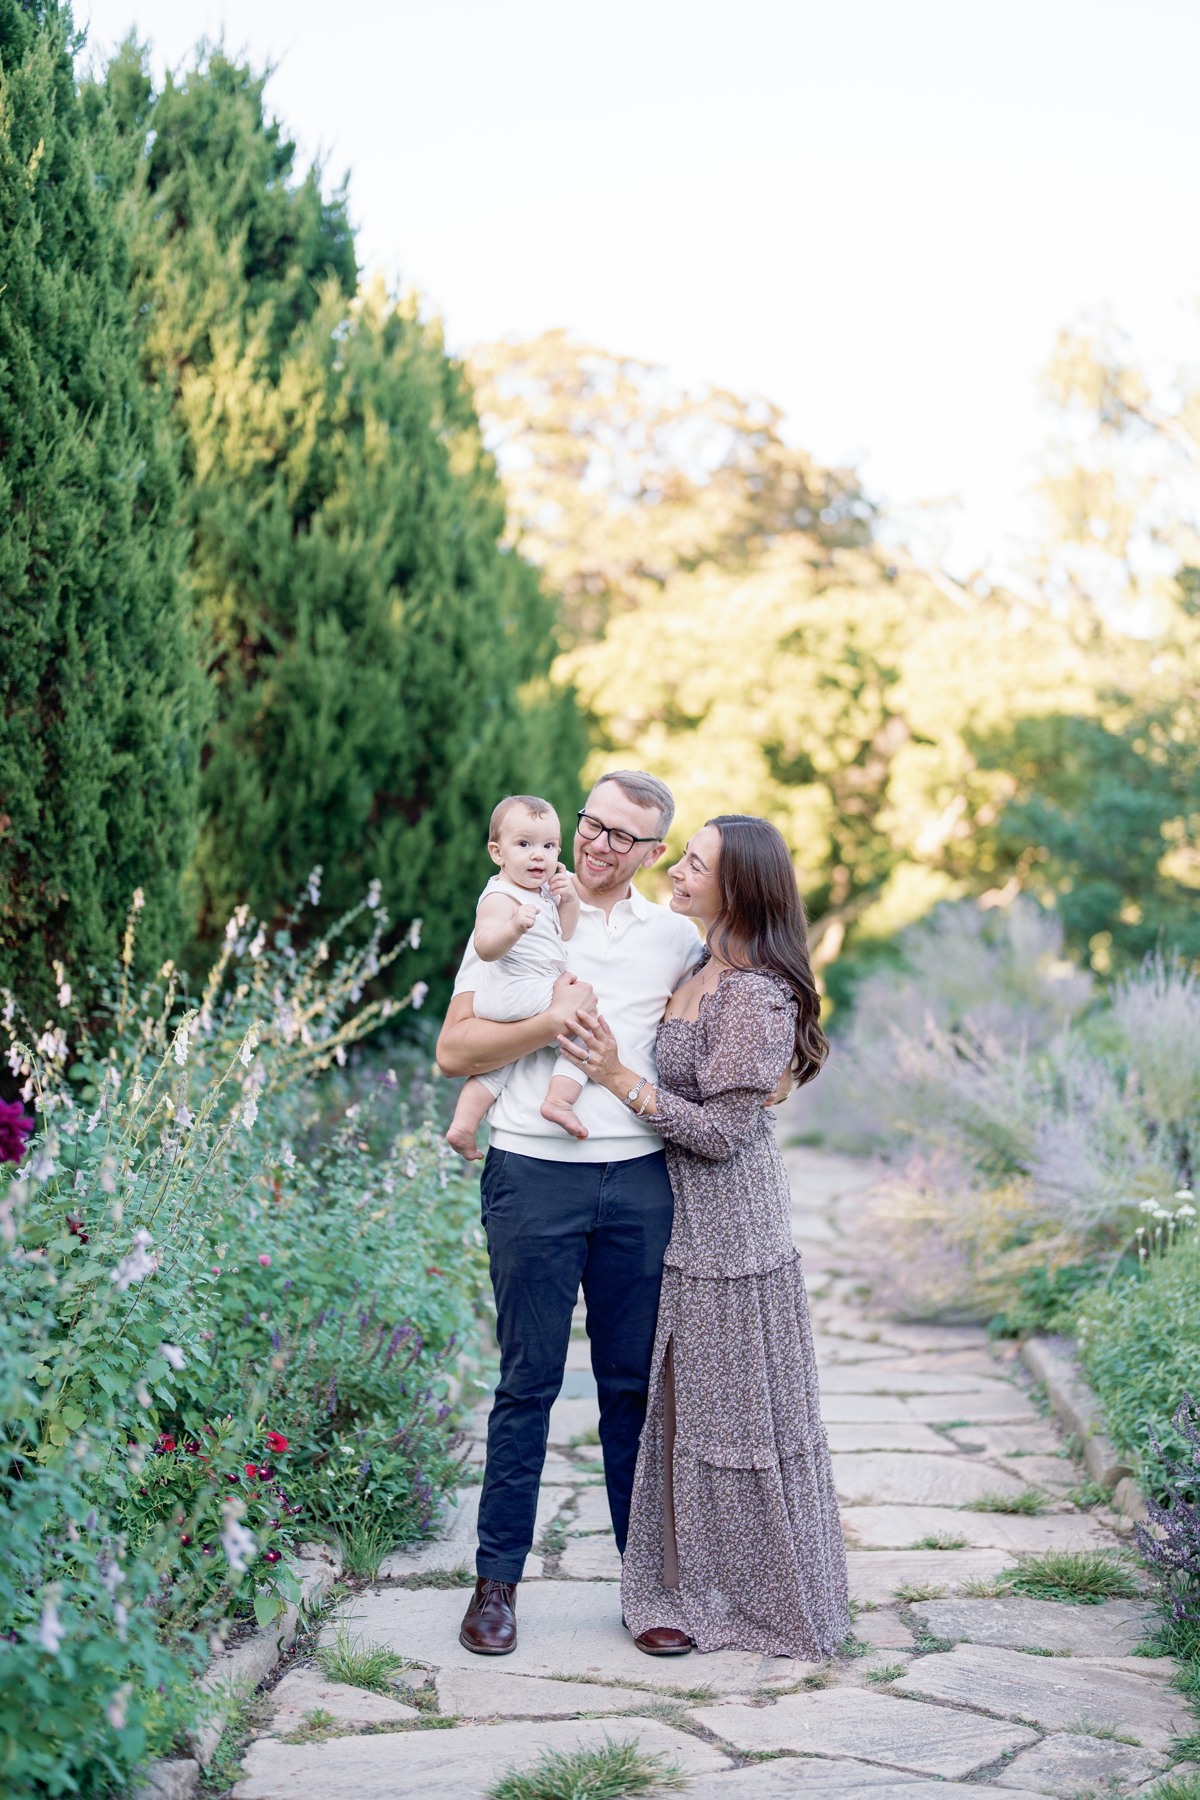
471	1046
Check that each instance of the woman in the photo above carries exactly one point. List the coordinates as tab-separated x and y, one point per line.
734	1539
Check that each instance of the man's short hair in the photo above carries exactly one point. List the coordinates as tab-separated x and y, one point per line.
646	790
531	803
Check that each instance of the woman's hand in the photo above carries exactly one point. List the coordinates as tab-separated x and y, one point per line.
593	1049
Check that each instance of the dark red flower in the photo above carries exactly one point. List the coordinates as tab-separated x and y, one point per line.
435	1271
75	1227
165	1442
185	1539
192	1447
271	1556
15	1127
265	1471
276	1443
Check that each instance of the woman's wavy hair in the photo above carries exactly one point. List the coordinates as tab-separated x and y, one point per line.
762	924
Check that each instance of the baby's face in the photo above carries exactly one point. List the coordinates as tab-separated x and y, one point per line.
528	847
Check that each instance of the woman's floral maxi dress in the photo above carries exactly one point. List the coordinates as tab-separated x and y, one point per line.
734	1538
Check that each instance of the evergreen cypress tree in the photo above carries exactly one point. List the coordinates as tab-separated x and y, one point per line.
380	662
101	693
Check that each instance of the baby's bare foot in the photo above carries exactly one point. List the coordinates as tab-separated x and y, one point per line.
565	1116
462	1140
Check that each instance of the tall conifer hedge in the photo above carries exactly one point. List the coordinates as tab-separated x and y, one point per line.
379	661
102	696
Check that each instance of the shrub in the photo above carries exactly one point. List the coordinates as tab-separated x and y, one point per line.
133	1231
1139	1344
1171	1544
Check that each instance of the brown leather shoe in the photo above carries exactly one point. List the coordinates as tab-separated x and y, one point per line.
489	1626
663	1640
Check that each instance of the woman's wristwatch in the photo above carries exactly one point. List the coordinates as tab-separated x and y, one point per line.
631	1096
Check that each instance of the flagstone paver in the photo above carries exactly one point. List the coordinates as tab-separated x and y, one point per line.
922	1421
877	1727
460	1764
303	1691
1049	1691
1015	1623
1067	1764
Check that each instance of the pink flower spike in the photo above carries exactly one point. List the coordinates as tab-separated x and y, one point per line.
216	1271
265	1260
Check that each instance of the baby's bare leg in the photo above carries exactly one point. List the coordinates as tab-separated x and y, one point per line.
473	1103
559	1104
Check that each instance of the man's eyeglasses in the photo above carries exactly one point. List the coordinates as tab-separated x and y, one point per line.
622	842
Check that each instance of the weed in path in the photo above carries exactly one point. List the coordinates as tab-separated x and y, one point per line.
984	1587
609	1773
908	1591
1088	1493
1089	1727
890	1672
438	1578
363	1548
940	1540
246	1711
1087	1575
361	1665
318	1725
1029	1501
1186	1788
585	1439
852	1646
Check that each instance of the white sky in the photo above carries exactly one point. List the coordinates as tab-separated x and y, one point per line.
878	213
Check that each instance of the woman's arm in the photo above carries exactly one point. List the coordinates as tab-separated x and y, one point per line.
470	1046
738	1074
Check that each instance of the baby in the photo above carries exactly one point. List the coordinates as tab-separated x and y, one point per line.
524	916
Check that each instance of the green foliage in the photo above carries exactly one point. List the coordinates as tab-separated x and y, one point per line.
147	1491
606	1774
1085	1575
1029	1502
102	699
1091	824
1139	1344
1046	1299
379	661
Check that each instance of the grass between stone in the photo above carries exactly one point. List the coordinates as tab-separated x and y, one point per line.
940	1540
890	1672
608	1773
1028	1502
1081	1575
362	1665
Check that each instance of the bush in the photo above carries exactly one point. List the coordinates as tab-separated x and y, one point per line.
149	1493
1139	1344
1025	1141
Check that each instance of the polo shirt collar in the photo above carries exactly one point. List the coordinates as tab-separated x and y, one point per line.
639	906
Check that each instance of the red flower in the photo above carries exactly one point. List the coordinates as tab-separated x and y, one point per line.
14	1129
184	1539
276	1443
75	1227
166	1442
435	1271
251	1472
271	1556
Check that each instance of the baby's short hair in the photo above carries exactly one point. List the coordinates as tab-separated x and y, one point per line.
531	803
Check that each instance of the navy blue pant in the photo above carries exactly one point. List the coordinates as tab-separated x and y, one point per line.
550	1226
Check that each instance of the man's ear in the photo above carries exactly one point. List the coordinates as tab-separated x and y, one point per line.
494	853
652	856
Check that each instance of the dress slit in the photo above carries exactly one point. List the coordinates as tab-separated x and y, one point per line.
670	1575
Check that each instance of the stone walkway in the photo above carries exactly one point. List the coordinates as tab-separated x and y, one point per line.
945	1685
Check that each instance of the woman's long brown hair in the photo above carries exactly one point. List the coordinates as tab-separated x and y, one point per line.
762	925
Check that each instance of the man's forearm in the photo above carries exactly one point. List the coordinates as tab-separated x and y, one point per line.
471	1046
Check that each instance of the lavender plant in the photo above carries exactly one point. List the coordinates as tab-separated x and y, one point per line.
1170	1542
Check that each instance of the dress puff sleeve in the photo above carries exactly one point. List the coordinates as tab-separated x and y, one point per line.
745	1038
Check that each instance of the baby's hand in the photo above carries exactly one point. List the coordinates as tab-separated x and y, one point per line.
525	917
560	884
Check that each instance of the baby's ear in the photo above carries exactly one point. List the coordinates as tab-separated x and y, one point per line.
495	853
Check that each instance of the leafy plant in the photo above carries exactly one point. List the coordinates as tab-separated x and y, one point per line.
609	1773
1087	1575
1139	1346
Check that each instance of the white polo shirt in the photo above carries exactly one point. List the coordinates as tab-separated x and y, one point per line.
635	959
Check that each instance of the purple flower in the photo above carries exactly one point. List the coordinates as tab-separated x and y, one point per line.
15	1127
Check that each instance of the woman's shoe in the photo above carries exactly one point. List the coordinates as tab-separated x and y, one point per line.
663	1640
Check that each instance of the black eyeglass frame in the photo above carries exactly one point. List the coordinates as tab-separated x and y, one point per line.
607	831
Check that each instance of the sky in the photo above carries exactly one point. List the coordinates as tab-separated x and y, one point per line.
876	213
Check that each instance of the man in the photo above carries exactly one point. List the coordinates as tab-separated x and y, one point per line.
558	1210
